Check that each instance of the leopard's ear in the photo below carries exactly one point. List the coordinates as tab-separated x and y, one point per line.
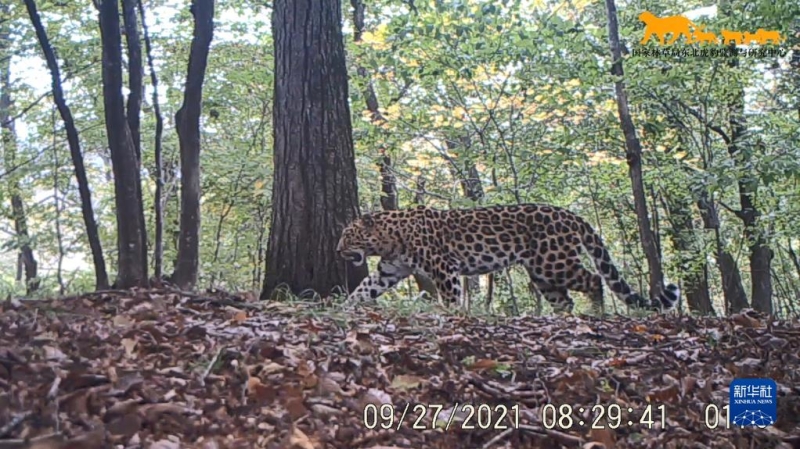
368	220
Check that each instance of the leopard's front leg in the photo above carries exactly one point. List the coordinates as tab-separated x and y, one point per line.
448	283
388	274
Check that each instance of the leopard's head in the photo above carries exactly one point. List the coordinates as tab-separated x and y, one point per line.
360	239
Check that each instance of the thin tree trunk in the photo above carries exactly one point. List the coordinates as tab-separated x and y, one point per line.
57	206
8	139
158	252
188	124
760	253
135	73
633	156
389	199
136	86
92	234
681	230
315	192
132	260
732	288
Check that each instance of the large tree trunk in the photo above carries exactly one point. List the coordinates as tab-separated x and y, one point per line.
132	261
92	234
188	122
634	156
315	192
158	251
8	140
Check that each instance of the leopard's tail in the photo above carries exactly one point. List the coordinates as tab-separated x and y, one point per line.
667	298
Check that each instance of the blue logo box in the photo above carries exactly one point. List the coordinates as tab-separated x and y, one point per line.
753	402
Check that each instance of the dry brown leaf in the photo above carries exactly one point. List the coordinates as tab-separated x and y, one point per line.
617	362
130	345
296	408
299	440
604	436
482	364
406	382
745	320
667	394
310	381
240	317
122	321
328	386
53	353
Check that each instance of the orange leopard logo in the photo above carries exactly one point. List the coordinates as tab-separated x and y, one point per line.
765	37
704	37
732	36
679	26
661	26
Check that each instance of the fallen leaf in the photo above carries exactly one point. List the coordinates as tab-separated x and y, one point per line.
406	382
483	364
299	440
129	344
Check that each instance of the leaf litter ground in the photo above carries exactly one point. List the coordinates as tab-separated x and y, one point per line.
166	369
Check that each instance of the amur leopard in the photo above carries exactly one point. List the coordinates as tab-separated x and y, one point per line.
446	244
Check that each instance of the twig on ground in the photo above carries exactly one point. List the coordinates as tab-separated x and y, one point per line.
15	421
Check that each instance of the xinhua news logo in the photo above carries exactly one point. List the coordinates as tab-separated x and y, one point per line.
753	402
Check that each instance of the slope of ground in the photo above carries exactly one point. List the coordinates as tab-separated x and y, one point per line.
163	369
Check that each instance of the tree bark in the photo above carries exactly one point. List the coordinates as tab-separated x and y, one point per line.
696	279
633	155
8	139
158	251
136	86
132	259
760	254
135	73
315	191
92	234
188	123
732	288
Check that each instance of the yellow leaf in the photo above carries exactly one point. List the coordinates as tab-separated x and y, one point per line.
392	112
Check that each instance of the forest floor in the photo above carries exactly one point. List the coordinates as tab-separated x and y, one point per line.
164	369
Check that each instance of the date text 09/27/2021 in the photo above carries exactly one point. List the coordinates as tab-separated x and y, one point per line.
502	417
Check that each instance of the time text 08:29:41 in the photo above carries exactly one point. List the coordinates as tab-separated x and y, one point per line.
601	416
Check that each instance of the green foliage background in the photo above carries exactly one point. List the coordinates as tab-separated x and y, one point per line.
521	90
